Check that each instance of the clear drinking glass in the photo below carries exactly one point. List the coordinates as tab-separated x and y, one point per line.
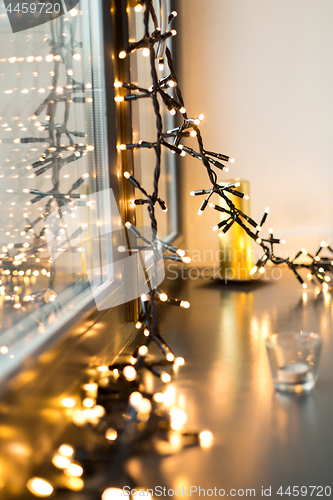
294	358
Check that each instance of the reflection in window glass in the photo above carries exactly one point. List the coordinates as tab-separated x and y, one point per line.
145	129
49	157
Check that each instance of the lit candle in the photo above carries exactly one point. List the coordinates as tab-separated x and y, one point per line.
293	373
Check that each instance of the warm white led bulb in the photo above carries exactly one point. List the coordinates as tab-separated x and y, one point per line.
122	54
178	418
39	487
129	373
180	361
74	470
115	494
158	397
67	402
206	439
91	389
135	399
111	434
253	270
143	350
60	462
88	402
165	377
146	52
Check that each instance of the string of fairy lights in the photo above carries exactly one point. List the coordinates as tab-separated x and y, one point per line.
317	266
149	317
140	409
116	403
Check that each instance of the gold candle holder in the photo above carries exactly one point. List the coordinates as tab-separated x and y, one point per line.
236	255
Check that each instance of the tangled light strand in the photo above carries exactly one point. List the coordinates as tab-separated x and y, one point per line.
318	266
116	403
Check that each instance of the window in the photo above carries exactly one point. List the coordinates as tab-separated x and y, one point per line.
58	157
53	158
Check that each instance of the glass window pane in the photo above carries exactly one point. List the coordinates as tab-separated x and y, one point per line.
53	157
144	127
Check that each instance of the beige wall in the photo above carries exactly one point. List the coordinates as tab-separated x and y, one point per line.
262	73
